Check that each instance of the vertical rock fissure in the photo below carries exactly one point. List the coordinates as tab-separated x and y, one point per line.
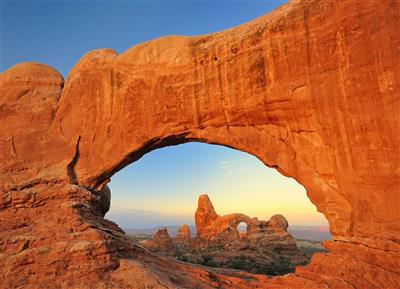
71	166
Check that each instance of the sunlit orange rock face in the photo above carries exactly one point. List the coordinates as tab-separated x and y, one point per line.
264	247
311	89
210	227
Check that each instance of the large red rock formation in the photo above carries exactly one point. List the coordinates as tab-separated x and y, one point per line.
204	215
266	247
224	229
311	89
213	228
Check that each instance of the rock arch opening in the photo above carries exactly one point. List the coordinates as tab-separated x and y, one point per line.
242	229
294	93
154	200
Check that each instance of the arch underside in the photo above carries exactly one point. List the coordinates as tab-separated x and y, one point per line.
310	89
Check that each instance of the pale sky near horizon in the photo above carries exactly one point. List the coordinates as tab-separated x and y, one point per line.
162	187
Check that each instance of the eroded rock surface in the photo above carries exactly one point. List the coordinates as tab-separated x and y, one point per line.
211	227
265	248
311	89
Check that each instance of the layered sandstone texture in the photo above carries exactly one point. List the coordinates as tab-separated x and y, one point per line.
311	89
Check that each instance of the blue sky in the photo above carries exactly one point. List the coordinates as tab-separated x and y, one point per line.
58	33
162	187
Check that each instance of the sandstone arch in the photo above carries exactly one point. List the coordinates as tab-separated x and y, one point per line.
310	89
210	226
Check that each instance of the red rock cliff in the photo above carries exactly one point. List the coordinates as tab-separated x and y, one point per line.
311	89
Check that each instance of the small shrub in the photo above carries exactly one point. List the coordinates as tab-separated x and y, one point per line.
182	258
208	261
241	263
278	267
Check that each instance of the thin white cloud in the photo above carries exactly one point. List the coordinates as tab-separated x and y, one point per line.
222	163
231	167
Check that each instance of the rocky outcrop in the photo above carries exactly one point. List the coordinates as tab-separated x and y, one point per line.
279	222
211	227
183	235
205	214
161	242
266	247
311	89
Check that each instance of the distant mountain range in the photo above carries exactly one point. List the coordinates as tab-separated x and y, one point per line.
315	233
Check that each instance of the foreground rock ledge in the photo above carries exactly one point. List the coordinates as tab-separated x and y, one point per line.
311	89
